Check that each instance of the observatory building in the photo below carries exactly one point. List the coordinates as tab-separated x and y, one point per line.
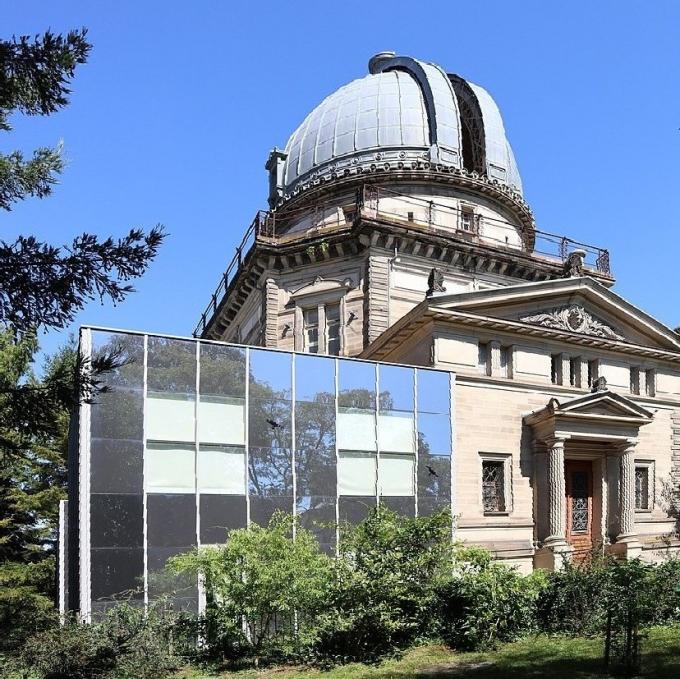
396	330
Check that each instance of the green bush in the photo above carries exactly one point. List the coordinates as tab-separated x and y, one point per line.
126	644
486	602
264	590
386	577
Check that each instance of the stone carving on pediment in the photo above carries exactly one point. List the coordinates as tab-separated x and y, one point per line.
574	319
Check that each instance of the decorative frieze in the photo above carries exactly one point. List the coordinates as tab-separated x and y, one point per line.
573	318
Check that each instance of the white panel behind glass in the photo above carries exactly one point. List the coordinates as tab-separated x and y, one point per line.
396	433
356	431
221	470
169	468
221	421
395	474
357	473
169	418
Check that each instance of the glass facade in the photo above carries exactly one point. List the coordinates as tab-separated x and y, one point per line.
192	439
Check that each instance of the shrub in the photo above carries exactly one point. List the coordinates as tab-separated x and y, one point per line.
125	644
486	602
264	590
386	578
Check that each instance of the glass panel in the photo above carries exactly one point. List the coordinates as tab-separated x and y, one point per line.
171	366
579	502
221	419
128	351
356	430
117	520
434	433
117	573
222	470
180	590
405	506
355	509
220	514
262	508
434	480
171	520
434	394
270	374
269	423
396	432
314	379
356	382
317	514
357	473
223	371
396	474
170	417
396	388
169	468
493	486
315	463
116	466
270	472
117	414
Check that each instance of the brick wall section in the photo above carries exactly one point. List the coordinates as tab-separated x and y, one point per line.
675	459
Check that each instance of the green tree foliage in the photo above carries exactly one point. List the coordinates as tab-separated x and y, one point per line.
256	584
32	481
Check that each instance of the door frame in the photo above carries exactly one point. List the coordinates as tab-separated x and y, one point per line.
581	542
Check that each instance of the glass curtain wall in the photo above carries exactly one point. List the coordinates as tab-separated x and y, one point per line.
192	439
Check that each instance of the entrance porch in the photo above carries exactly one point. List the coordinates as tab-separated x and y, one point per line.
584	476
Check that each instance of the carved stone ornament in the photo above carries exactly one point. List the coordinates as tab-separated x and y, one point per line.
435	282
574	319
573	266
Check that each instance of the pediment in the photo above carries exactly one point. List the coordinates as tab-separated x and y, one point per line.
580	306
602	403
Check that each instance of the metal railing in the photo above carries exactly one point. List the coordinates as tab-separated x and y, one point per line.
388	205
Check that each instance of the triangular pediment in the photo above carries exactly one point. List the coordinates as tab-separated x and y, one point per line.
579	306
604	403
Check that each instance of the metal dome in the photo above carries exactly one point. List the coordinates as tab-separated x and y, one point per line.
402	112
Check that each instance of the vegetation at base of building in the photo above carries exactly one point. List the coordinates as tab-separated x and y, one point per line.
275	598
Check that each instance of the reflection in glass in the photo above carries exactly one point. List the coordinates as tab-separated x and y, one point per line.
223	371
315	463
433	392
314	378
270	374
128	354
317	514
396	388
117	573
269	423
270	472
434	479
171	365
434	433
356	385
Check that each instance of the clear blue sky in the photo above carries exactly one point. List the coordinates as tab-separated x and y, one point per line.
172	118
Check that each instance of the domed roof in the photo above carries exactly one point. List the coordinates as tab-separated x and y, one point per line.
402	112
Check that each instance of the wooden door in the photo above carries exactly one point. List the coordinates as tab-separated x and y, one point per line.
579	487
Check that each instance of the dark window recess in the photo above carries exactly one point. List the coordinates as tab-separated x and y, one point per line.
593	371
493	486
555	366
579	502
641	487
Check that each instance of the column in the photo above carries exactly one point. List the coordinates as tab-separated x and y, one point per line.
627	495
495	357
556	494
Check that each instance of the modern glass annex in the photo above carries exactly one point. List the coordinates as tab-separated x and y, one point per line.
192	438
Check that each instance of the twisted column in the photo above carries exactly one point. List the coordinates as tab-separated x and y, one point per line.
556	493
627	494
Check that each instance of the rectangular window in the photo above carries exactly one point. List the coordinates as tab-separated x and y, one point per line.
493	486
642	487
467	220
357	473
593	371
506	361
635	380
333	329
169	467
483	358
222	470
575	371
311	330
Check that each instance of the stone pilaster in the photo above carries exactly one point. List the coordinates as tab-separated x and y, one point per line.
675	462
495	358
271	313
376	297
